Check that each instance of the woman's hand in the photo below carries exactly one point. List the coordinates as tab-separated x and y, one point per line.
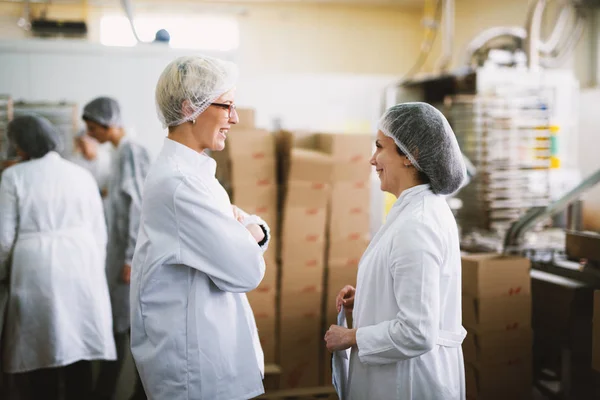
338	338
257	232
345	298
237	214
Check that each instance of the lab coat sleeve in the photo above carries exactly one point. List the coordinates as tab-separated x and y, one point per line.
255	219
215	242
99	221
415	262
9	220
135	164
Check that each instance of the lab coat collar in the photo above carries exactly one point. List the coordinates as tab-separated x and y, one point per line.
415	191
189	157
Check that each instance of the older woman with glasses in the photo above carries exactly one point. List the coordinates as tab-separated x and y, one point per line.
193	334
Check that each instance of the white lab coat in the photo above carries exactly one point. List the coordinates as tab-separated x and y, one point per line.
407	308
51	219
193	334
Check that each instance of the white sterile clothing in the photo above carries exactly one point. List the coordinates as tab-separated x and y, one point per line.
193	334
58	309
408	306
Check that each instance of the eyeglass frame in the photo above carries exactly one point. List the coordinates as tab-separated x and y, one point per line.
229	107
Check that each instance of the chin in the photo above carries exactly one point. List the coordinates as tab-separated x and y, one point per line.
219	146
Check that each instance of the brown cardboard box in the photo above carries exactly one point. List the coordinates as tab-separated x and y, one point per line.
307	194
246	118
500	382
351	172
491	275
254	144
347	148
498	347
596	332
247	171
496	313
300	282
305	255
309	166
262	301
348	196
262	199
299	341
346	252
344	225
303	224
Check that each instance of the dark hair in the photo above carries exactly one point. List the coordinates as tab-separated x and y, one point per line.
34	135
422	176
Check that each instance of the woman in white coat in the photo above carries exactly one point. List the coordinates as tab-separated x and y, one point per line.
193	334
52	227
407	333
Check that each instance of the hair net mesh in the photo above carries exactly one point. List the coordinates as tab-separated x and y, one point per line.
34	135
424	135
188	85
104	111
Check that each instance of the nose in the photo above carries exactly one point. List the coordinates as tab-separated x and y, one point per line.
372	160
234	117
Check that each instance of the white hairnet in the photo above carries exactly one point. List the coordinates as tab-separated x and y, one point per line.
104	111
34	135
188	85
424	135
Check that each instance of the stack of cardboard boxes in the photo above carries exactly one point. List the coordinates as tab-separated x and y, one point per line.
497	316
306	193
247	170
348	219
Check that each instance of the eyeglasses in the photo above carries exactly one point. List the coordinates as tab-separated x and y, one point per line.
229	107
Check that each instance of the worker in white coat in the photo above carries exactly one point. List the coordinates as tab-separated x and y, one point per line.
52	224
407	334
129	166
193	334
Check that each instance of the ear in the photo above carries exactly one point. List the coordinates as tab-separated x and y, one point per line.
187	108
406	161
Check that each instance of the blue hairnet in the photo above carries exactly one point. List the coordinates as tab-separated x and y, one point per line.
424	135
104	111
34	135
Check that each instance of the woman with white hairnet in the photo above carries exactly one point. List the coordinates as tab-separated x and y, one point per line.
129	167
406	308
193	334
52	228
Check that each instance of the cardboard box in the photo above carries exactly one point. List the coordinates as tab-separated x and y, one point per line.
348	226
351	172
596	332
491	275
253	144
247	171
309	166
303	283
263	303
255	199
303	224
500	382
307	255
498	347
346	252
348	196
505	313
246	118
300	364
347	148
306	194
583	245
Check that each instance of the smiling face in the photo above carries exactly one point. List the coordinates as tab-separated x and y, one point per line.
394	170
212	126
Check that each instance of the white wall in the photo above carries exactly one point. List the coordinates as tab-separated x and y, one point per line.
80	71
